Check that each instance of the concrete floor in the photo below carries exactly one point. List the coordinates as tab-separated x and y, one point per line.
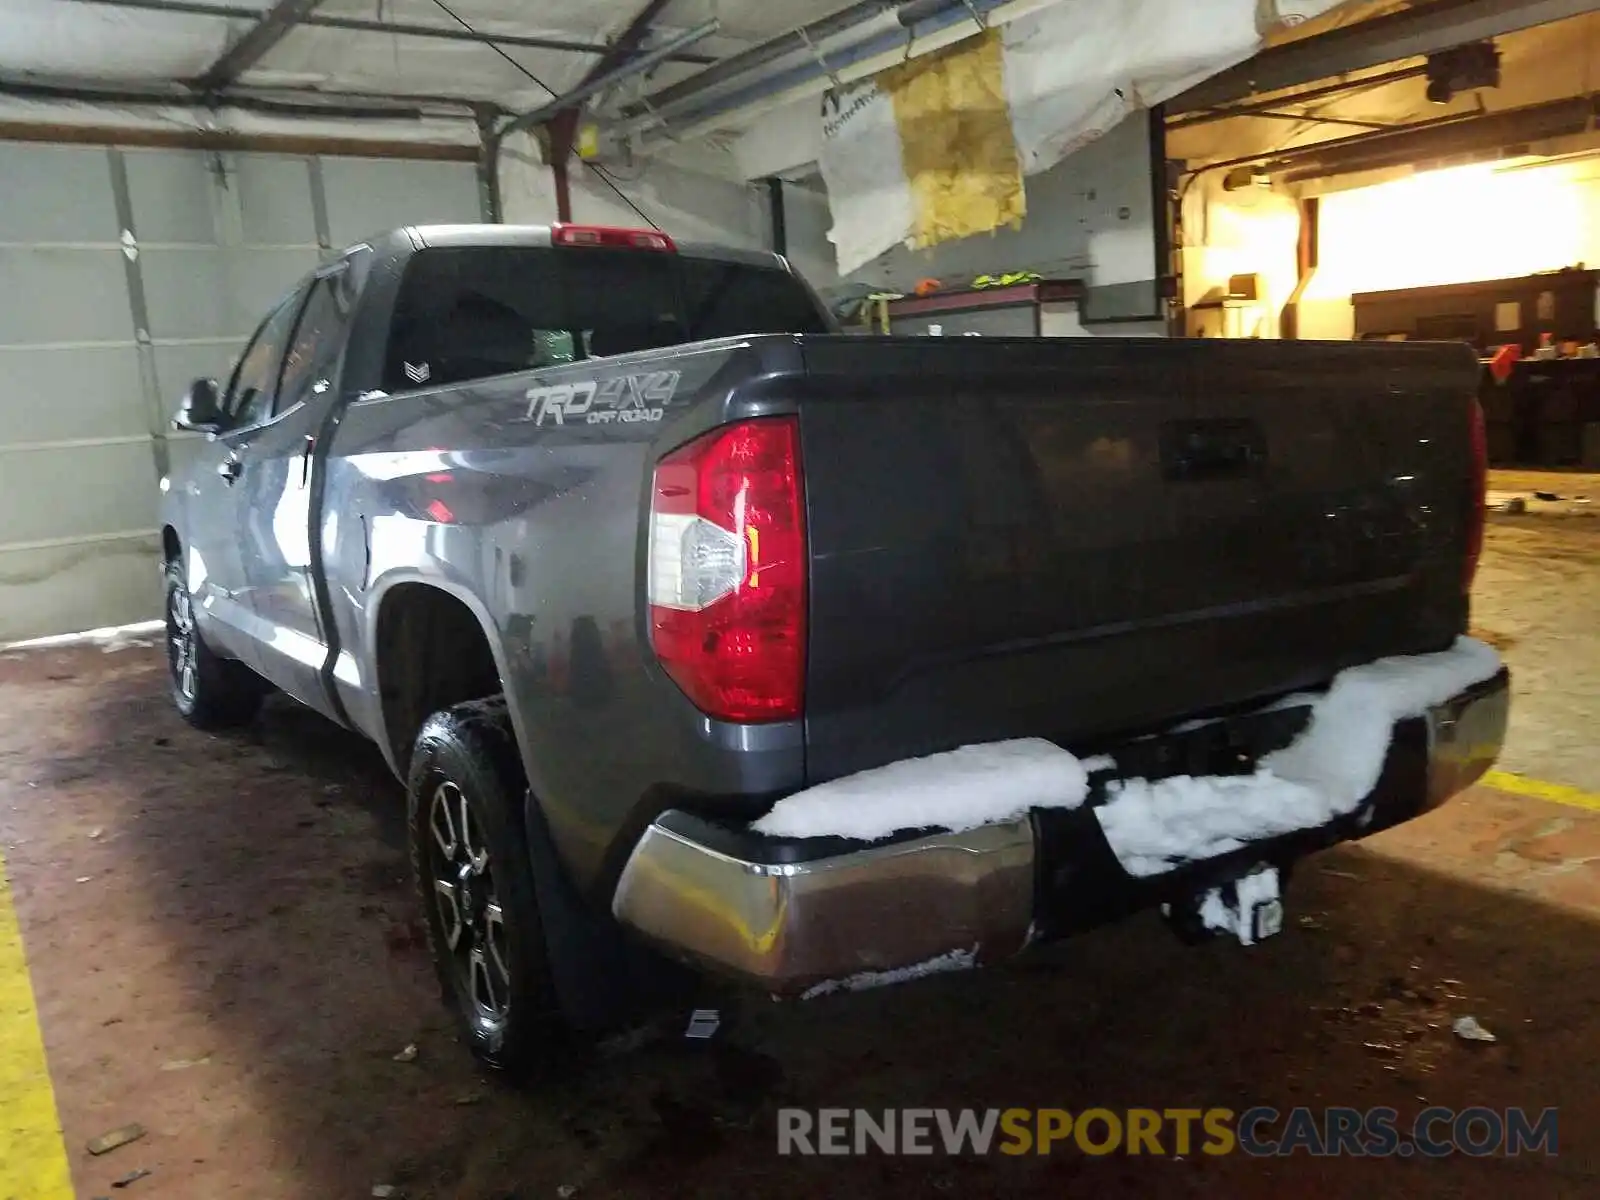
1538	599
222	948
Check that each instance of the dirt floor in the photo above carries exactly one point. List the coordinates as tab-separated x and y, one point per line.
223	949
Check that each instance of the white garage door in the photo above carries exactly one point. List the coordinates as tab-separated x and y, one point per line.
124	274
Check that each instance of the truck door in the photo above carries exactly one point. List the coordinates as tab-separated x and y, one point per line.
286	525
217	507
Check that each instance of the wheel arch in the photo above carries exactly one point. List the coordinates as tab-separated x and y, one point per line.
414	680
601	976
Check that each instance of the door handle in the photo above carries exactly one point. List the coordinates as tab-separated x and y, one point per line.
230	469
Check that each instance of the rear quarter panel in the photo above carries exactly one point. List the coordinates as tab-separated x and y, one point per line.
522	498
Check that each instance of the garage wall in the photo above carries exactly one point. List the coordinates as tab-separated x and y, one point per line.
806	221
1250	231
1452	226
685	204
681	200
127	274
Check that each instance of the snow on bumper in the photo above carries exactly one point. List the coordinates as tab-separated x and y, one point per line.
795	915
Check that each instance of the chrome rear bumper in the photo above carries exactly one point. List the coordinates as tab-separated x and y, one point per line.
792	915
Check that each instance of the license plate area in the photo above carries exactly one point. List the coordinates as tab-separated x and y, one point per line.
1232	745
1249	909
1078	881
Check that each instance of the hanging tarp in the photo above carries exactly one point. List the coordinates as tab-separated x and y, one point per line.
921	156
869	195
1075	70
924	149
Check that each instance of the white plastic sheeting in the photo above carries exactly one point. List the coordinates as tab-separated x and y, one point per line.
1077	68
1073	70
52	37
66	39
868	192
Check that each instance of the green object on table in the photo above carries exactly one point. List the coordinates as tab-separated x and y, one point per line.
1010	279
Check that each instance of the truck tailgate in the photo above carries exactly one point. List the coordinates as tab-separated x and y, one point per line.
1086	538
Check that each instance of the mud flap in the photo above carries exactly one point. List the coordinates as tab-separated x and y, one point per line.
603	979
1249	908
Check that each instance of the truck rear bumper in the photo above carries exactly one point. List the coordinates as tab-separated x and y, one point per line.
798	915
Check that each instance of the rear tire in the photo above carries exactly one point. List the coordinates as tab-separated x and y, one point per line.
474	879
210	692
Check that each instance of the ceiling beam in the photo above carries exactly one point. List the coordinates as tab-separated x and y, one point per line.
626	44
1421	30
440	33
560	115
284	101
1342	89
250	47
264	143
569	100
561	112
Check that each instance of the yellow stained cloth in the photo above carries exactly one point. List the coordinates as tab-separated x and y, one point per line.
956	143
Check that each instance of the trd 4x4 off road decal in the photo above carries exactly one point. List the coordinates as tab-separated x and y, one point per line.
620	400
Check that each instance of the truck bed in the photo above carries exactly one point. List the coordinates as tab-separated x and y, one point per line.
1082	538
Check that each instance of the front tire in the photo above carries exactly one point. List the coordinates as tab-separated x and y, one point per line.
470	862
210	692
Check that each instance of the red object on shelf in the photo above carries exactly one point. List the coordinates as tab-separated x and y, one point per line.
1503	360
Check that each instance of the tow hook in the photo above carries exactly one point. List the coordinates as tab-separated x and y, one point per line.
1249	908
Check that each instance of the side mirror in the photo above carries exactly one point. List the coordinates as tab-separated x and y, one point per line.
201	409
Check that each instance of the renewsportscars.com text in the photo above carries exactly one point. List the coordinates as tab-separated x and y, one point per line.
1259	1131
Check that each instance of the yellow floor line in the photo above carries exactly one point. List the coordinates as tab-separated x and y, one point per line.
1557	793
33	1158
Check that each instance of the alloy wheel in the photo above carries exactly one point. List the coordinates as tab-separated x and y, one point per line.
183	647
471	918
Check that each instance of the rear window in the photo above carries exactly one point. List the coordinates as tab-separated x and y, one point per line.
470	312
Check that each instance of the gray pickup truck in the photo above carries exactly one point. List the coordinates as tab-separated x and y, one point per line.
702	634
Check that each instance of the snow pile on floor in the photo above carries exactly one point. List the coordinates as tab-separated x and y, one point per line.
1153	826
957	790
109	639
1324	773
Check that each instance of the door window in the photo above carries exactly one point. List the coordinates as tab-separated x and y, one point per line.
318	339
249	400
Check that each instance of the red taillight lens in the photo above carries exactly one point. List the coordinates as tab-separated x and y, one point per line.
1478	482
727	567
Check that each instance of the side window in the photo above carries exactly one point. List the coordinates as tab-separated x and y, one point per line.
473	312
318	339
462	315
249	400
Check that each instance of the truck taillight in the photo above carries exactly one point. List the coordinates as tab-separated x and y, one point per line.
1478	483
727	571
